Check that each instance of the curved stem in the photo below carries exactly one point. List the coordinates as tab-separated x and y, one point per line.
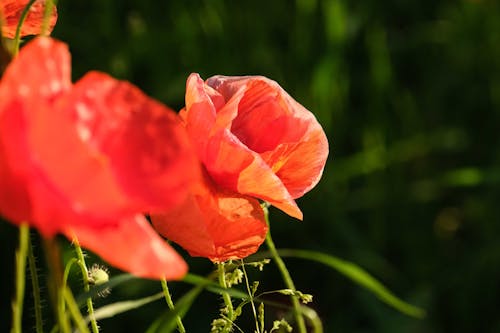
171	306
285	275
17	37
225	296
36	288
17	303
74	310
49	5
86	285
67	269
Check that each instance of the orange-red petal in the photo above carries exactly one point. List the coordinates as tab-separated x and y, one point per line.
270	122
202	102
140	141
36	77
10	14
40	73
232	165
133	246
215	223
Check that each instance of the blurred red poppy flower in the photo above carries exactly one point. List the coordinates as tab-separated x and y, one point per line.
87	159
10	14
254	141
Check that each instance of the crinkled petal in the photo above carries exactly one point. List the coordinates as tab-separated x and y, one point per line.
202	102
133	246
230	161
12	10
215	223
232	165
300	165
285	134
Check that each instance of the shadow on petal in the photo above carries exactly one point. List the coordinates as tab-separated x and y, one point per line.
215	223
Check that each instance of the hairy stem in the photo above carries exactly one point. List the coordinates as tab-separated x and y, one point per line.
170	303
17	303
86	285
74	310
36	289
52	254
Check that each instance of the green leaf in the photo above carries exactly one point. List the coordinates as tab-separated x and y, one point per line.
113	309
359	276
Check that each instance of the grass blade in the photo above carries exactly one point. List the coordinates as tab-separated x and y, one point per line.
359	276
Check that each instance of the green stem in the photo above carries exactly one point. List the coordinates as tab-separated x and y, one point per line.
17	37
86	285
225	296
285	275
17	303
55	276
64	284
36	289
171	306
49	5
74	310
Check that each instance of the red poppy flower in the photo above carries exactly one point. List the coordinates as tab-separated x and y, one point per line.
254	141
87	159
10	13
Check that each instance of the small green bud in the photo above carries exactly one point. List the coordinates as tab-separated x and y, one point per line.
98	275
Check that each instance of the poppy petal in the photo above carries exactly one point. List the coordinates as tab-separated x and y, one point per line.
21	100
233	166
144	141
300	165
230	162
214	223
132	246
202	102
12	10
41	72
288	137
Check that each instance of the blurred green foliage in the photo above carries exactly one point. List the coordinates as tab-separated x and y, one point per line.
409	95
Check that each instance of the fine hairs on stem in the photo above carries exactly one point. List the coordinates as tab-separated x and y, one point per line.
170	303
36	288
86	285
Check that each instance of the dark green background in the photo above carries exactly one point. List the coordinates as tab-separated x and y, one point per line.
408	93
